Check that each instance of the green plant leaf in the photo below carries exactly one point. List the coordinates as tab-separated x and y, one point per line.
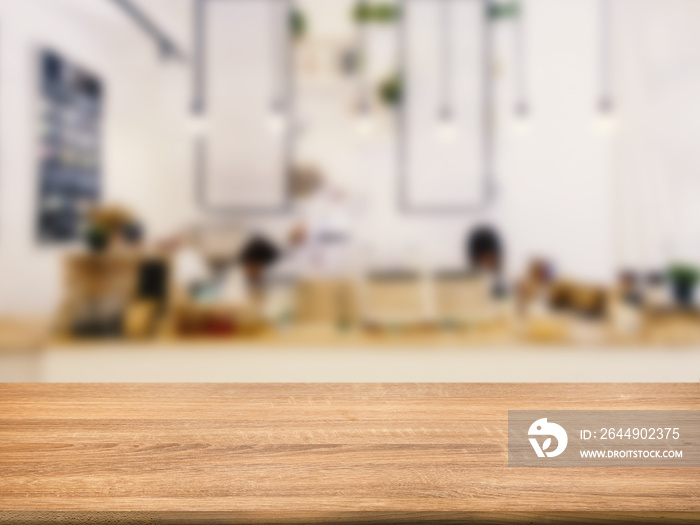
391	90
362	13
298	24
378	12
683	273
504	11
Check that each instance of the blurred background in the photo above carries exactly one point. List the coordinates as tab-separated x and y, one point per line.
349	190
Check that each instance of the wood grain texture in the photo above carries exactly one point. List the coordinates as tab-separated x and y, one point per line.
322	453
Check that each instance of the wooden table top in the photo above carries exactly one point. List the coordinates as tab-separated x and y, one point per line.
312	453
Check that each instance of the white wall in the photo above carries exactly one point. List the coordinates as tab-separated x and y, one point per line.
554	185
656	155
558	178
88	33
559	186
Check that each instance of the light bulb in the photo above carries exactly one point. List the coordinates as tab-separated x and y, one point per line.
447	128
364	123
605	123
277	121
523	126
198	124
522	123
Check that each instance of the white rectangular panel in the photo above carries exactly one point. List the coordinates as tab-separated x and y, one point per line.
246	54
443	169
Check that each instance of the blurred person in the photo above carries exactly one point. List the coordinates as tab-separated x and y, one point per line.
112	227
255	259
485	256
237	280
321	238
484	249
191	270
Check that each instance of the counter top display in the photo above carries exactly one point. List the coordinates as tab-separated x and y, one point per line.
310	453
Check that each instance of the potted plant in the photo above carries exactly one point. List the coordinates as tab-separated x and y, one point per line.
96	238
504	10
362	13
386	13
375	21
377	12
391	90
298	24
684	278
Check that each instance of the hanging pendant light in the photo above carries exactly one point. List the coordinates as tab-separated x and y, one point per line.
197	124
446	126
364	123
522	106
197	116
606	121
278	117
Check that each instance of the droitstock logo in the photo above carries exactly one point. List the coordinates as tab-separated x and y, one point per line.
542	428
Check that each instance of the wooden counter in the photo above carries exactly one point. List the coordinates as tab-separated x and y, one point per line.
315	453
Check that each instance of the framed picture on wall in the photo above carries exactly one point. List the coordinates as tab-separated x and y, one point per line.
446	85
251	99
71	102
